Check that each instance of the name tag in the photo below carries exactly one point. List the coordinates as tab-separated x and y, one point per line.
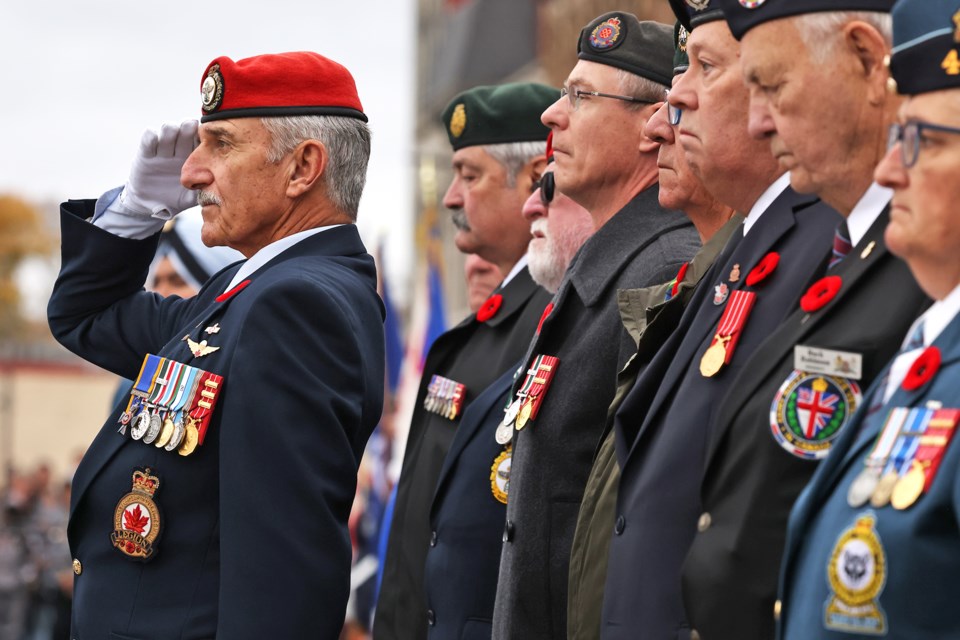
844	364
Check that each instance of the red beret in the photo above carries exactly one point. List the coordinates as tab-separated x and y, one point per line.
300	83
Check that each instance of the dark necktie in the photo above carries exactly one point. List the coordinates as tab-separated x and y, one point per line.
841	245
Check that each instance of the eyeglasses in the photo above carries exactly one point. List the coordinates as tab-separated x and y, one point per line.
910	135
573	94
548	187
673	113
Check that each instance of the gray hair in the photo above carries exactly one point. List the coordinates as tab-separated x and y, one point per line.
639	87
820	31
514	156
347	141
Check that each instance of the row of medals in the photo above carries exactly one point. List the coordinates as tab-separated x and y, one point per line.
157	427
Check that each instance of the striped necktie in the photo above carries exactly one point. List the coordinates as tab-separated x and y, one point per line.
841	245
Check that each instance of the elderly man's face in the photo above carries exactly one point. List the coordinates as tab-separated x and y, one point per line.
713	127
597	143
558	229
815	116
485	207
679	187
924	227
243	195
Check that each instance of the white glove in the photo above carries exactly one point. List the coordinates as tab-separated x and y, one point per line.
154	188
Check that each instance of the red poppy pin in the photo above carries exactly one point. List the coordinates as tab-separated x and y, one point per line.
923	369
489	308
764	269
820	293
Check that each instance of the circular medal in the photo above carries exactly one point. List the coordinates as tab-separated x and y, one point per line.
524	414
154	429
140	425
177	437
500	476
863	487
190	437
713	359
881	495
504	433
809	411
909	487
165	433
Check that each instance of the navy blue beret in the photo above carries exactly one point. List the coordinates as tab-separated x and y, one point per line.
743	15
692	13
926	45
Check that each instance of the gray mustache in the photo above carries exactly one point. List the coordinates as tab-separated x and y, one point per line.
204	198
459	218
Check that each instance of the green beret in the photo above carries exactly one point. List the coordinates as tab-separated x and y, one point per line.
619	40
498	114
680	59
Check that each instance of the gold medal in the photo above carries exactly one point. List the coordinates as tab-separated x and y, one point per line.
165	433
714	358
524	414
881	495
190	437
909	487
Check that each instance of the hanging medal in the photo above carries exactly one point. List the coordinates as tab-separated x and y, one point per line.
541	373
158	419
136	520
149	370
724	342
186	377
504	432
500	475
919	473
866	483
145	418
180	419
196	427
903	450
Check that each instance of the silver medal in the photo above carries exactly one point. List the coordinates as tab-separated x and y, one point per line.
504	433
178	431
863	487
140	425
154	429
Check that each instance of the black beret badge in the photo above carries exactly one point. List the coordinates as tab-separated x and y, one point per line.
751	4
606	35
698	5
211	91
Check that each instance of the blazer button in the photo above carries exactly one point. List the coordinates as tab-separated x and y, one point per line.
77	567
620	525
433	538
704	522
508	531
777	608
431	617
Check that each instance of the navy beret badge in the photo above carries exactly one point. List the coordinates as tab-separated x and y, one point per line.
751	4
458	120
211	91
606	34
698	5
682	39
951	63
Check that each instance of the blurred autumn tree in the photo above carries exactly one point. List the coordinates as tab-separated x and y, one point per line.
22	234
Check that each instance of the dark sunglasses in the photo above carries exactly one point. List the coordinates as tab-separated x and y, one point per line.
547	188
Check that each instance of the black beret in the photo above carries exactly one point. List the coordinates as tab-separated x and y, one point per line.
498	114
743	15
619	40
680	59
926	45
692	13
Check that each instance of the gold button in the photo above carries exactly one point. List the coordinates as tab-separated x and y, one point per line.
77	567
704	523
777	606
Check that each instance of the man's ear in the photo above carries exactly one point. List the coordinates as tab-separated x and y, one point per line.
308	162
870	49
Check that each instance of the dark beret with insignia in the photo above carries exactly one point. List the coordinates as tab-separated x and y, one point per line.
692	13
743	15
498	114
619	40
926	45
300	83
680	59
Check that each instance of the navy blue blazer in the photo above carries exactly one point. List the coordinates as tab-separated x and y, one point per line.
663	425
254	540
466	522
901	569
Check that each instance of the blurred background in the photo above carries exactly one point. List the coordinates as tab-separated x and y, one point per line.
84	79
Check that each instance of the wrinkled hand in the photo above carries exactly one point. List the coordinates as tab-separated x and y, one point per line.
154	188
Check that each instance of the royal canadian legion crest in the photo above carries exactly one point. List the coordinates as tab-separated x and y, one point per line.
136	520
